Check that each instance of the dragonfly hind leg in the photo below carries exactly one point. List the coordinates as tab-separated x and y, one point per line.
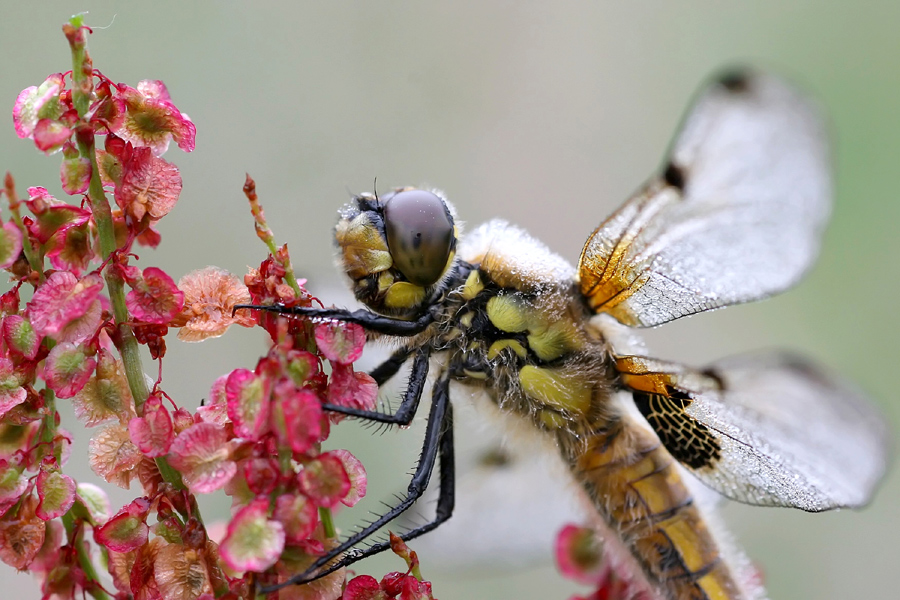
438	443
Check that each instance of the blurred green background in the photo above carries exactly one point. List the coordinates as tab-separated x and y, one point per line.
547	116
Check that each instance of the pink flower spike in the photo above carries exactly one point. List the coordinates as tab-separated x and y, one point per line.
202	454
10	244
150	186
357	474
153	433
36	102
579	555
325	480
56	493
60	300
248	403
252	542
297	418
297	515
154	297
128	529
75	175
50	135
340	342
20	337
67	369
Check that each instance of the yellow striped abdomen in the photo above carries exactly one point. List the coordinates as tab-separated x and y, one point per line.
637	488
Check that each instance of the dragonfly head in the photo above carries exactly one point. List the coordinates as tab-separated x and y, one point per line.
396	248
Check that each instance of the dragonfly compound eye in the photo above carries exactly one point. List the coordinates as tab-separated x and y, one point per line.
419	234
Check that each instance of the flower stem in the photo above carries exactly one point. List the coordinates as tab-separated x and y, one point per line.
84	560
82	89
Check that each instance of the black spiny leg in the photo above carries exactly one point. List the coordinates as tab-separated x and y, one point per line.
438	439
389	368
369	320
407	410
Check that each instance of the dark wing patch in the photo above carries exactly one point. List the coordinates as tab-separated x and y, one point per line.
689	441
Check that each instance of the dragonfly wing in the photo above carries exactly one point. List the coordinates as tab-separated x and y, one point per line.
768	429
736	215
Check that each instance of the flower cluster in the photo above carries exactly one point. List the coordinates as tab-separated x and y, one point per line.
259	435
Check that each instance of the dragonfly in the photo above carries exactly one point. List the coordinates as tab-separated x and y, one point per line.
735	214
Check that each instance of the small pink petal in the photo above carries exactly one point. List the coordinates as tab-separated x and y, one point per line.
324	480
579	555
31	102
248	403
154	298
298	515
364	587
261	475
10	244
297	419
215	410
95	502
67	369
357	474
340	342
152	433
20	337
150	186
61	299
128	529
50	135
202	455
12	392
113	456
75	175
56	494
351	389
252	542
106	396
21	534
13	483
152	120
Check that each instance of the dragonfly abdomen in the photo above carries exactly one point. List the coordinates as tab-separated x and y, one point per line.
637	489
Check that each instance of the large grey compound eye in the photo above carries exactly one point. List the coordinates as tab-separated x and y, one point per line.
419	234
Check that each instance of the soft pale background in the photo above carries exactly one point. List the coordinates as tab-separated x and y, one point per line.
549	117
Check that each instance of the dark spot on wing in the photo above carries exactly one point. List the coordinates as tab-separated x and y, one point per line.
737	81
689	441
674	176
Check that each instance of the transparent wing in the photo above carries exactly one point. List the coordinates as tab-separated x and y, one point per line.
765	429
735	216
